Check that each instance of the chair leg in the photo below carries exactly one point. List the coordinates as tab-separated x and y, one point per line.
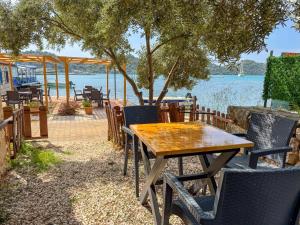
126	159
180	166
167	206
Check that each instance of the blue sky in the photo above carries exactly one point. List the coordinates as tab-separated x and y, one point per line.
282	39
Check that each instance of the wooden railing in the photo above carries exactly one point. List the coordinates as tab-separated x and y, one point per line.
13	127
168	113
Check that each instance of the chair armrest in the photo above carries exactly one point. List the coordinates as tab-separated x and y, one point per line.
186	198
265	152
239	134
255	154
127	131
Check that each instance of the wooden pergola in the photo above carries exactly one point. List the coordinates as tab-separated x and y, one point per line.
66	60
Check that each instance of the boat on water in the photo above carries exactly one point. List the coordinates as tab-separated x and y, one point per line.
241	70
60	85
22	76
169	99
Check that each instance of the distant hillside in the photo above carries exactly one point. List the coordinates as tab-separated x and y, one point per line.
250	67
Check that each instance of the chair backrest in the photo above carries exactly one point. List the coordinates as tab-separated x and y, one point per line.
268	131
140	114
12	96
34	90
266	197
95	95
88	87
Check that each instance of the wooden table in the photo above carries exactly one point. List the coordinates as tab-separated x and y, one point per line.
26	95
170	140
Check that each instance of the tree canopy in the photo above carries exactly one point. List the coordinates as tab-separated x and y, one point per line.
180	36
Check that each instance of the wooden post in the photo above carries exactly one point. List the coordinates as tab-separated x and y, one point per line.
56	81
11	78
45	81
125	91
107	77
43	121
115	83
27	123
3	145
8	112
67	81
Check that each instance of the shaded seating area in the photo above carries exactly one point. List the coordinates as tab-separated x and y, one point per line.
156	134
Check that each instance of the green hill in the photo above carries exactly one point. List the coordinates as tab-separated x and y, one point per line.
250	67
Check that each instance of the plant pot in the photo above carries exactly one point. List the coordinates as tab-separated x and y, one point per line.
34	110
88	110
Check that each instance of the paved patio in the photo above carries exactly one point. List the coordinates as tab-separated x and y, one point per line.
79	126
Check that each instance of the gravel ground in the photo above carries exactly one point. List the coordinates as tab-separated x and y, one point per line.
87	187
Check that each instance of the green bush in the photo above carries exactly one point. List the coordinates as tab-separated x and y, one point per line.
86	103
38	158
282	80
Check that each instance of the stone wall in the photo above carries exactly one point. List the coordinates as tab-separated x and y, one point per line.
240	116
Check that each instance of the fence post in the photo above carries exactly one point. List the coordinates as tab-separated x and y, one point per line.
208	116
8	112
27	123
43	121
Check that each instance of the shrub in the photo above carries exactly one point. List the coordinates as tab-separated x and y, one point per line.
86	103
66	110
282	79
34	104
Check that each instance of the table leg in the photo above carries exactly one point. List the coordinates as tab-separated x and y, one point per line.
213	168
152	174
136	164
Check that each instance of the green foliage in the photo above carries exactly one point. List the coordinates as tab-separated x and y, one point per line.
86	103
282	80
34	104
30	156
179	36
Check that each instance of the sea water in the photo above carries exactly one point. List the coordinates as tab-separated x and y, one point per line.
218	92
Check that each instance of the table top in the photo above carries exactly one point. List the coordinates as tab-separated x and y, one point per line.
167	139
25	92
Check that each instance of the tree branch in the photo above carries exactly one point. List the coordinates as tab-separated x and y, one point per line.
150	66
112	55
168	80
62	27
167	41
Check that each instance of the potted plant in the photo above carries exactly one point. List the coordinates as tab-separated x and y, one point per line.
34	107
87	107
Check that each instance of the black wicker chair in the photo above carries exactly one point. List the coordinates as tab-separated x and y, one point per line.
106	97
96	96
136	115
244	197
78	95
271	136
13	98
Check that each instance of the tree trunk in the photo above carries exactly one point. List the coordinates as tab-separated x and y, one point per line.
150	66
164	91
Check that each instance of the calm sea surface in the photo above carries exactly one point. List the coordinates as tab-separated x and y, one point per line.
218	92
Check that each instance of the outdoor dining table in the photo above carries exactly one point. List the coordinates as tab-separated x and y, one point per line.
171	140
